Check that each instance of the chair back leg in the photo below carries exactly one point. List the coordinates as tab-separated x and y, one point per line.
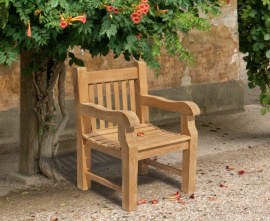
83	165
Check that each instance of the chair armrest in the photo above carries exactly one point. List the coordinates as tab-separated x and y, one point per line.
183	107
123	118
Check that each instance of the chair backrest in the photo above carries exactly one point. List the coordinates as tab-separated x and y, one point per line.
117	89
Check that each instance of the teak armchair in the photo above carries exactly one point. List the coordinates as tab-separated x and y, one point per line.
113	118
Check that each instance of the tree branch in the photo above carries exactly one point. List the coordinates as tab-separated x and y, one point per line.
55	73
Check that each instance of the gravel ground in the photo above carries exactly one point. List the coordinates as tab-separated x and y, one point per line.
229	144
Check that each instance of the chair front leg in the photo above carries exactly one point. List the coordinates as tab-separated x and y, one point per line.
189	169
189	155
129	169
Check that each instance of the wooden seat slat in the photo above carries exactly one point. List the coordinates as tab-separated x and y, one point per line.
153	137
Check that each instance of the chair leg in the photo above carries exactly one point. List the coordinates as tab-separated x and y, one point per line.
83	166
189	169
129	179
143	168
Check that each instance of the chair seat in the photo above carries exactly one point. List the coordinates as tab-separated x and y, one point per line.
147	137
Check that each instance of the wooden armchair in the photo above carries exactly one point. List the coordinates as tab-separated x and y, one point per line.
112	110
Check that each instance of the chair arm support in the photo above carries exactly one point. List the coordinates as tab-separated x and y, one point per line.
123	118
182	107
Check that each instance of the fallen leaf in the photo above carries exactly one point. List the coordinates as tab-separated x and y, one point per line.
25	193
181	201
140	134
192	196
54	219
229	168
154	201
212	198
141	201
241	172
175	196
223	185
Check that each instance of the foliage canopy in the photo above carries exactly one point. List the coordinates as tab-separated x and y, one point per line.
254	29
117	25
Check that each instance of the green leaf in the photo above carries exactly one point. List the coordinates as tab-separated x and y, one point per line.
251	85
267	37
267	53
79	62
53	3
4	15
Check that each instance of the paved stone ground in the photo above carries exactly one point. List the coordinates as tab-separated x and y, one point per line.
240	140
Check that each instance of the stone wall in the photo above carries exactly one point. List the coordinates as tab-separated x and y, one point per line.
213	82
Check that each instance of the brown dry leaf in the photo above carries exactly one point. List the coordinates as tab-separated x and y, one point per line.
223	185
154	201
212	198
175	196
181	201
141	201
140	134
192	196
229	168
54	219
241	172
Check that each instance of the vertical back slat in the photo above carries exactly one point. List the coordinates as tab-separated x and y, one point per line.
116	95
109	99
91	94
124	95
132	95
100	102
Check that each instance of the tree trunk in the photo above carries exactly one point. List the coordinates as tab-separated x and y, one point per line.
39	132
28	122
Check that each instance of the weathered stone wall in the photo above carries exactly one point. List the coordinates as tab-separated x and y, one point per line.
213	82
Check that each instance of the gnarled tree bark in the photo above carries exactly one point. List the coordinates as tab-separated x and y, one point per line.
50	73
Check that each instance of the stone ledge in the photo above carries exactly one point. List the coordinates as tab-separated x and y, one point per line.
29	180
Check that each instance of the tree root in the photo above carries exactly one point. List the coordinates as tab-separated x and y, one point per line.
45	110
